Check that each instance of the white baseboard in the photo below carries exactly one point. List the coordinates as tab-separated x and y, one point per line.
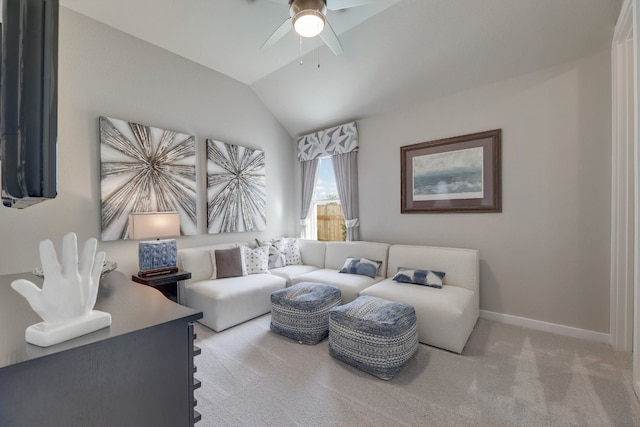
547	327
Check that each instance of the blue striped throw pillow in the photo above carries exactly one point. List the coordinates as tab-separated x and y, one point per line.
419	277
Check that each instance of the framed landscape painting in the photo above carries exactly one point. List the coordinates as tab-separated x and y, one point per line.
459	174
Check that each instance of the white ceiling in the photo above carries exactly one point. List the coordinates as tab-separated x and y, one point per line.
397	52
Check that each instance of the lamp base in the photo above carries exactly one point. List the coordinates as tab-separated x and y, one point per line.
157	271
157	257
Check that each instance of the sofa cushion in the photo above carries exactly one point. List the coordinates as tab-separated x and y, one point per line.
227	263
312	252
349	284
419	277
461	265
362	266
227	302
256	260
288	272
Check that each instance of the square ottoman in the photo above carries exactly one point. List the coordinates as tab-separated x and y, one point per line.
301	312
373	334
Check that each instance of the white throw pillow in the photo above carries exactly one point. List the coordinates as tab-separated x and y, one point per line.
256	260
292	252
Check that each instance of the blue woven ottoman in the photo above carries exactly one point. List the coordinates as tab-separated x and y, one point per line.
301	312
373	334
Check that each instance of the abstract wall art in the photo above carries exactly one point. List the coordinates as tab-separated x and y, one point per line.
145	169
236	188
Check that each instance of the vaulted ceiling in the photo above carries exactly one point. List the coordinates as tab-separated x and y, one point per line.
396	52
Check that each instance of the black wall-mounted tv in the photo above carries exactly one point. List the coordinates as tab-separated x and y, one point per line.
29	101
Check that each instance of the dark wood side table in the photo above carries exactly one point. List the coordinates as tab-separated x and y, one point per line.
165	283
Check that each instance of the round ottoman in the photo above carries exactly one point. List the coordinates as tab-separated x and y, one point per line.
373	334
301	312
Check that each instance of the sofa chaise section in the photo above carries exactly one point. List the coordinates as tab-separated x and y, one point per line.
228	302
224	302
445	316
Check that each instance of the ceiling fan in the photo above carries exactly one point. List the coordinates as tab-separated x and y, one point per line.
308	18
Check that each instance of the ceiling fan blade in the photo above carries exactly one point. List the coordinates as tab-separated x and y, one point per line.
278	34
331	39
346	4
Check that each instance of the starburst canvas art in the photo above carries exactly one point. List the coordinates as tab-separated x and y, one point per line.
236	190
145	169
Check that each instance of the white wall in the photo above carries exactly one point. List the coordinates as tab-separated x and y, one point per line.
105	72
546	256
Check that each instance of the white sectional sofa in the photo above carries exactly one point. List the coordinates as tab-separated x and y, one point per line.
445	316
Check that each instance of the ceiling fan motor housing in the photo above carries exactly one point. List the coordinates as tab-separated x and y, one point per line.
297	6
309	19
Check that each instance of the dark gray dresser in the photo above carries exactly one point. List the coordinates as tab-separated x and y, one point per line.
138	372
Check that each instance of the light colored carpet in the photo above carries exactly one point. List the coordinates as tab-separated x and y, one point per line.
506	376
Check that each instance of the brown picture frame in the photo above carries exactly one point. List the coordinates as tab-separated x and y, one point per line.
458	174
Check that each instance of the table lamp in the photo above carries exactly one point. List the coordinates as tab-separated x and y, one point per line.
155	257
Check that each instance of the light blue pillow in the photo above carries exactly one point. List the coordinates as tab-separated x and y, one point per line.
419	277
363	266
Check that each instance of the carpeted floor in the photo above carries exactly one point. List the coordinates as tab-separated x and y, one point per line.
506	376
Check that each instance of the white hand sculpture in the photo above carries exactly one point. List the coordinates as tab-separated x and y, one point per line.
69	289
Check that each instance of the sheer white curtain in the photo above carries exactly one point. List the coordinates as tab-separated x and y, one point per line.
345	166
309	179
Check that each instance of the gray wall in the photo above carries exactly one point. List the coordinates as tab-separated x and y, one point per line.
546	256
106	72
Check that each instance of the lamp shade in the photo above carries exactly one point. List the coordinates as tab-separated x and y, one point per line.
308	23
154	225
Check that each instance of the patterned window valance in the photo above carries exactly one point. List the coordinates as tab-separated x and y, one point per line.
336	140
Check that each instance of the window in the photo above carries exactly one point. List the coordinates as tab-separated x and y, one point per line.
326	217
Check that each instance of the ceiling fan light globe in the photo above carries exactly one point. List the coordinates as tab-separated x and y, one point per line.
308	23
